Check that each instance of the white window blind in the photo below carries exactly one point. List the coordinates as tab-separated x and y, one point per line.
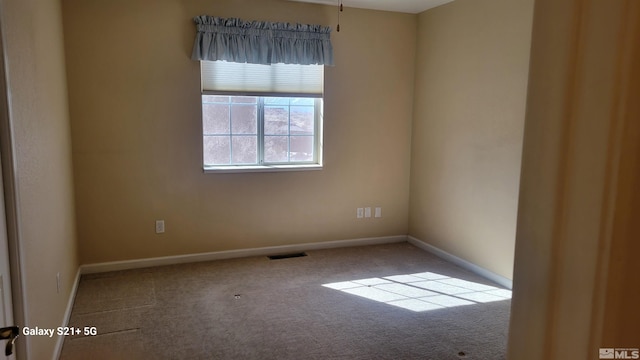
221	77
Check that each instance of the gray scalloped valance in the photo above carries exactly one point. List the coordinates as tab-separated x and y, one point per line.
261	42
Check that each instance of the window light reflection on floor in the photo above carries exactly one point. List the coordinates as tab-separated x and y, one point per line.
422	291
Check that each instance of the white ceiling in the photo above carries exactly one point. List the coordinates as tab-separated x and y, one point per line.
405	6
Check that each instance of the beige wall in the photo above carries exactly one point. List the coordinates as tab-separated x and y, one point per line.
39	116
471	78
136	128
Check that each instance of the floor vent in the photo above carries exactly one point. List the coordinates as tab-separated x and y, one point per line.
287	256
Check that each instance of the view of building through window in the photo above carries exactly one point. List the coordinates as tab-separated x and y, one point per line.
250	130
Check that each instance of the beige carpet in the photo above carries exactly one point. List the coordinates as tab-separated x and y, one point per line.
390	301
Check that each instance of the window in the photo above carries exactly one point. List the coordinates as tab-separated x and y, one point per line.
261	117
257	130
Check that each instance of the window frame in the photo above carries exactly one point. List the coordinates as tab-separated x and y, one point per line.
261	165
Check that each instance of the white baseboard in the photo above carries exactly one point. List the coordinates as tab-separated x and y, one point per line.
271	250
231	254
67	315
501	280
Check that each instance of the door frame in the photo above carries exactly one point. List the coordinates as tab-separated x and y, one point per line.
9	180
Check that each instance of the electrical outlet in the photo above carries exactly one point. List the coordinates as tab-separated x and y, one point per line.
360	213
367	212
378	212
159	226
58	283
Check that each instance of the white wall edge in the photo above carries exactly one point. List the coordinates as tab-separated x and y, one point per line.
231	254
498	279
67	315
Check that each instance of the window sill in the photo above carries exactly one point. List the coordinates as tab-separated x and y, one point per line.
260	168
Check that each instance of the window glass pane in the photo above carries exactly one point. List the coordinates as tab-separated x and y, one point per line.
302	120
276	120
244	119
215	119
245	149
302	148
276	149
302	101
276	101
244	99
216	150
215	99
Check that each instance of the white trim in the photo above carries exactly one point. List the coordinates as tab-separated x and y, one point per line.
499	279
12	200
270	250
259	168
231	254
67	315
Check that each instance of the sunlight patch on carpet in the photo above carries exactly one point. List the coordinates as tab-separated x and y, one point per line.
422	291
